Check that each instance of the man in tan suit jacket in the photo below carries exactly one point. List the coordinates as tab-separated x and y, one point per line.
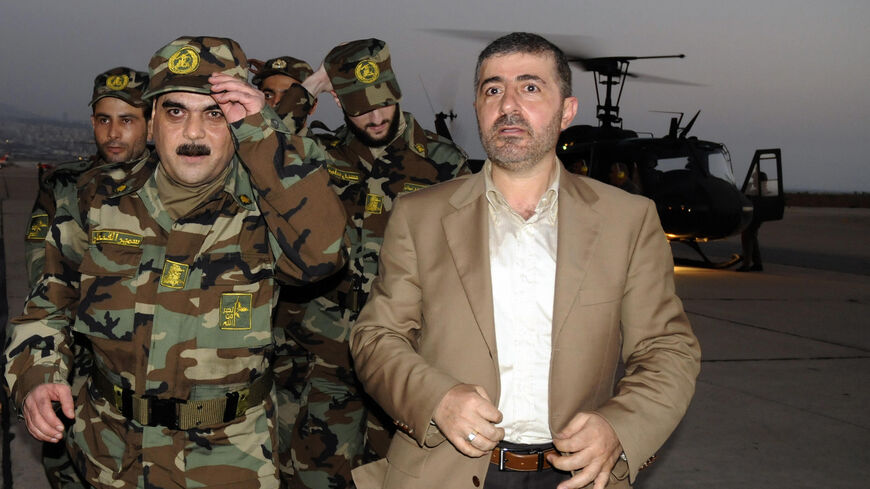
425	345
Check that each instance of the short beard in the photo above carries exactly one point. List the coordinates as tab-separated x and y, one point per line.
370	141
191	149
506	153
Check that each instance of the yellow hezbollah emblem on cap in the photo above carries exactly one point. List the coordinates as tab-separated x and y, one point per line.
117	82
184	61
279	64
367	71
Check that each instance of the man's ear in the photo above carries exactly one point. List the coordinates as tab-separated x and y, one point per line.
569	110
337	102
150	135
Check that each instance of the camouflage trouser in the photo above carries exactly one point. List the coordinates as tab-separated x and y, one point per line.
291	370
59	469
329	435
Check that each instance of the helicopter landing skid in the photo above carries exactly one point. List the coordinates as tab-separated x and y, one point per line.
705	262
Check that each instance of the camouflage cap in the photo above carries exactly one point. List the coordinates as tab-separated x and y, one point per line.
362	76
285	65
185	64
124	83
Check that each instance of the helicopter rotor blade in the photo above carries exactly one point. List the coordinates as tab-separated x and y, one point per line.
570	44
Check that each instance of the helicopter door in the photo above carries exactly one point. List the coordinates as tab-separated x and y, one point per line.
763	185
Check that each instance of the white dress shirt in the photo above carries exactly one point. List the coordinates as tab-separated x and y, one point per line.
522	255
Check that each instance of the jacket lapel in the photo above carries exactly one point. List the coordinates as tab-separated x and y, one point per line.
579	226
467	232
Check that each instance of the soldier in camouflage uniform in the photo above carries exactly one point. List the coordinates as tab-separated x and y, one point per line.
275	79
380	153
277	76
166	268
120	120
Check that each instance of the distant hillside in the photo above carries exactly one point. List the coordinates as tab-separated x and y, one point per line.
28	136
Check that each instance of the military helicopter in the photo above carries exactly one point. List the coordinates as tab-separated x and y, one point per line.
690	180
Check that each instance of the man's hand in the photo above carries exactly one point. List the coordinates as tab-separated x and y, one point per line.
468	409
318	82
237	99
590	449
39	414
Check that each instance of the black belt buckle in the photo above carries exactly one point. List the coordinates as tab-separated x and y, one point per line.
163	412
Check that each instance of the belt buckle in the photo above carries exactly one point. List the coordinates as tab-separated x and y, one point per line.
163	412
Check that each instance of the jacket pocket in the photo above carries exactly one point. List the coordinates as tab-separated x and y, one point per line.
108	291
235	300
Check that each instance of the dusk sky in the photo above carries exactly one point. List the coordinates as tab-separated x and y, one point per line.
775	73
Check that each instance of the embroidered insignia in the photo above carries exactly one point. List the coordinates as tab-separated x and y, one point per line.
367	71
374	203
117	82
410	187
346	175
184	61
244	199
420	148
279	64
116	237
38	228
121	188
236	311
174	274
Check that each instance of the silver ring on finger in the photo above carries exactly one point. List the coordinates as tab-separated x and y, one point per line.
471	436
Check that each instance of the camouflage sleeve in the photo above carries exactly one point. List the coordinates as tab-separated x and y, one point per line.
294	107
38	342
37	229
305	218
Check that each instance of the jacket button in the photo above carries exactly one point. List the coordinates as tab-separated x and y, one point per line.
476	481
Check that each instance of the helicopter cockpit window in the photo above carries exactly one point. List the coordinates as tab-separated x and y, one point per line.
670	164
720	167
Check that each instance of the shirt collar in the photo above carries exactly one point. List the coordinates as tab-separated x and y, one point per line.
547	206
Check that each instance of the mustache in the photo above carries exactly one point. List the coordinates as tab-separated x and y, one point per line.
375	124
512	119
191	149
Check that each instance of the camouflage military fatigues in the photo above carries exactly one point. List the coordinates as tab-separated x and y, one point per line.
328	438
179	309
58	185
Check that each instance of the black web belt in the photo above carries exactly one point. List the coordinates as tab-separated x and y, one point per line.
180	414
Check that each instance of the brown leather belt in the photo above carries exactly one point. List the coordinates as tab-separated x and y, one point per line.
521	460
180	414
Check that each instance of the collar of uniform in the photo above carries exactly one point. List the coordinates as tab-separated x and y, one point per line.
415	136
547	204
137	176
239	185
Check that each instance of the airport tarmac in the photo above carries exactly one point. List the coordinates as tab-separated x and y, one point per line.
782	399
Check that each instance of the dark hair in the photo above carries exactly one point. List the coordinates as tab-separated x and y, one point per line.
527	43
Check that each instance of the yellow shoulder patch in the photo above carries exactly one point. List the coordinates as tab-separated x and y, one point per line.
37	230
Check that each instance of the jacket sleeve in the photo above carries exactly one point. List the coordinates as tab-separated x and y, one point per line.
305	218
38	342
660	352
384	337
